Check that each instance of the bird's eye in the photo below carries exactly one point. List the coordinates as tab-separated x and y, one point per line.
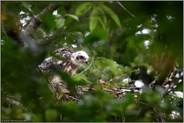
80	57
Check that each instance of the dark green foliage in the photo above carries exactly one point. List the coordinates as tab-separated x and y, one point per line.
114	37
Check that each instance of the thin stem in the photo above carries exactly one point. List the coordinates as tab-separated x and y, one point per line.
46	79
126	9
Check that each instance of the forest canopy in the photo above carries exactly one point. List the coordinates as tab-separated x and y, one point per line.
135	67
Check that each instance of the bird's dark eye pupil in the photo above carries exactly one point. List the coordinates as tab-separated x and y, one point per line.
80	57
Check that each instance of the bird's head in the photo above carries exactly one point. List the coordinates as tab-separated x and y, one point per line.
79	58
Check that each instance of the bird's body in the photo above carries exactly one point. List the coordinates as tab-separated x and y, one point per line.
66	60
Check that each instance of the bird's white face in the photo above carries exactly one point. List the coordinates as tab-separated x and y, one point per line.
79	58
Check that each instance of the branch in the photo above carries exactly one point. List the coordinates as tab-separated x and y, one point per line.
126	9
36	21
33	25
168	83
50	7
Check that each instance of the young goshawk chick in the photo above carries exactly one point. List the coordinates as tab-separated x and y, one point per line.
65	60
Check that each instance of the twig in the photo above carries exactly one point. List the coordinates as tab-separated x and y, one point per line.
153	83
46	79
3	30
71	97
126	9
168	81
118	77
50	7
33	25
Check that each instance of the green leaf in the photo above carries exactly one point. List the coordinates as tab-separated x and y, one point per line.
102	19
37	118
73	16
78	77
27	5
112	14
83	8
93	20
98	34
48	22
51	115
60	22
109	65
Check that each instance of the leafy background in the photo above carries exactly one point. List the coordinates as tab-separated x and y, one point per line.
118	36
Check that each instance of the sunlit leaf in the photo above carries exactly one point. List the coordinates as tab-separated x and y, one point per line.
78	77
109	66
60	22
73	16
103	18
93	20
27	5
83	8
112	14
